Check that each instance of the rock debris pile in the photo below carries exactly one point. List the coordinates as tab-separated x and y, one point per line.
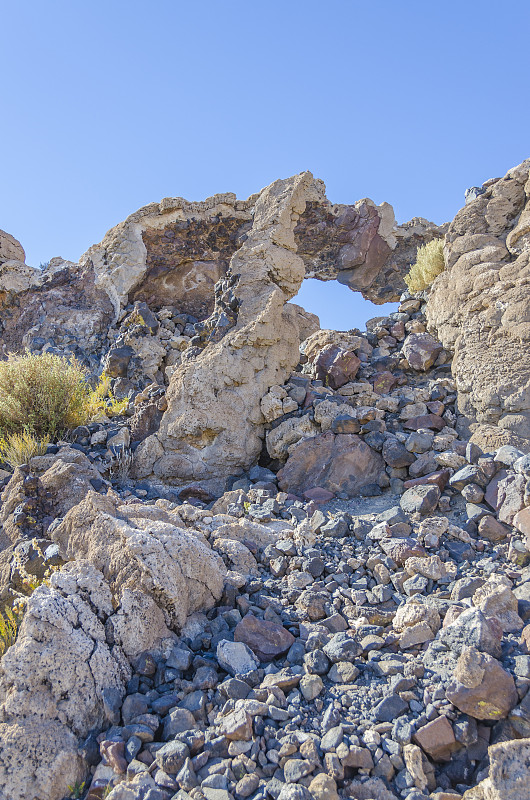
297	567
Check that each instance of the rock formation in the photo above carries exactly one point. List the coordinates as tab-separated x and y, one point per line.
314	584
480	308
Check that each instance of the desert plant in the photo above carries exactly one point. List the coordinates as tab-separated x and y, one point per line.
76	791
18	448
10	619
45	395
41	393
101	402
429	264
121	465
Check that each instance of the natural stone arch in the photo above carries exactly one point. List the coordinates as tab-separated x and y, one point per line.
213	426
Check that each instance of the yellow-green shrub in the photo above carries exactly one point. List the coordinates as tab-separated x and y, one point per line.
10	619
18	448
45	395
429	264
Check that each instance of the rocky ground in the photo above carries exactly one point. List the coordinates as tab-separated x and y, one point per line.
347	616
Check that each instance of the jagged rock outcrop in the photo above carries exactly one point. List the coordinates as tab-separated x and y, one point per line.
143	551
213	425
480	308
52	683
10	248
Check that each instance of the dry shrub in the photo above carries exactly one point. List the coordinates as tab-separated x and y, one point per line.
429	264
45	395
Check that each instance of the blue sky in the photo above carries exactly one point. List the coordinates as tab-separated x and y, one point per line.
107	106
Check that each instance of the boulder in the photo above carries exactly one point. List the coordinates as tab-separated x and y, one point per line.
421	351
10	248
335	366
338	463
177	569
213	425
52	684
267	640
481	687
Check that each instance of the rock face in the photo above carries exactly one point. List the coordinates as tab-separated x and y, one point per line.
10	248
213	424
51	684
480	307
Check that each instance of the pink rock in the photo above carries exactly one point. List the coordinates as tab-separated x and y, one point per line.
491	495
511	497
522	521
399	549
439	479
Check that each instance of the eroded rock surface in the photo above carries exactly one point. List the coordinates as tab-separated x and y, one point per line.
480	307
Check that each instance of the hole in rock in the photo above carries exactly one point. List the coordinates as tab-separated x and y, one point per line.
337	306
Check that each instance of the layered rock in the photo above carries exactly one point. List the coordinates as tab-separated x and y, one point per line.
480	308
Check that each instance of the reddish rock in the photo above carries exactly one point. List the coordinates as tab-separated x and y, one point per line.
439	479
491	495
430	421
421	350
481	687
437	739
397	330
491	529
318	495
266	639
436	407
384	382
341	463
114	755
525	637
336	366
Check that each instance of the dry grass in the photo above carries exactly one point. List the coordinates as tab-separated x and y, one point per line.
429	264
18	448
45	395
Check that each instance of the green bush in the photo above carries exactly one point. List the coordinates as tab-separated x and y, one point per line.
44	395
429	264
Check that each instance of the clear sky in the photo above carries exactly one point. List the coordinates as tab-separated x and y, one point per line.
107	106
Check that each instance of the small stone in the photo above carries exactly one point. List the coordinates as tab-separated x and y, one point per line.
420	499
437	739
296	768
389	708
323	787
236	658
311	686
236	726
